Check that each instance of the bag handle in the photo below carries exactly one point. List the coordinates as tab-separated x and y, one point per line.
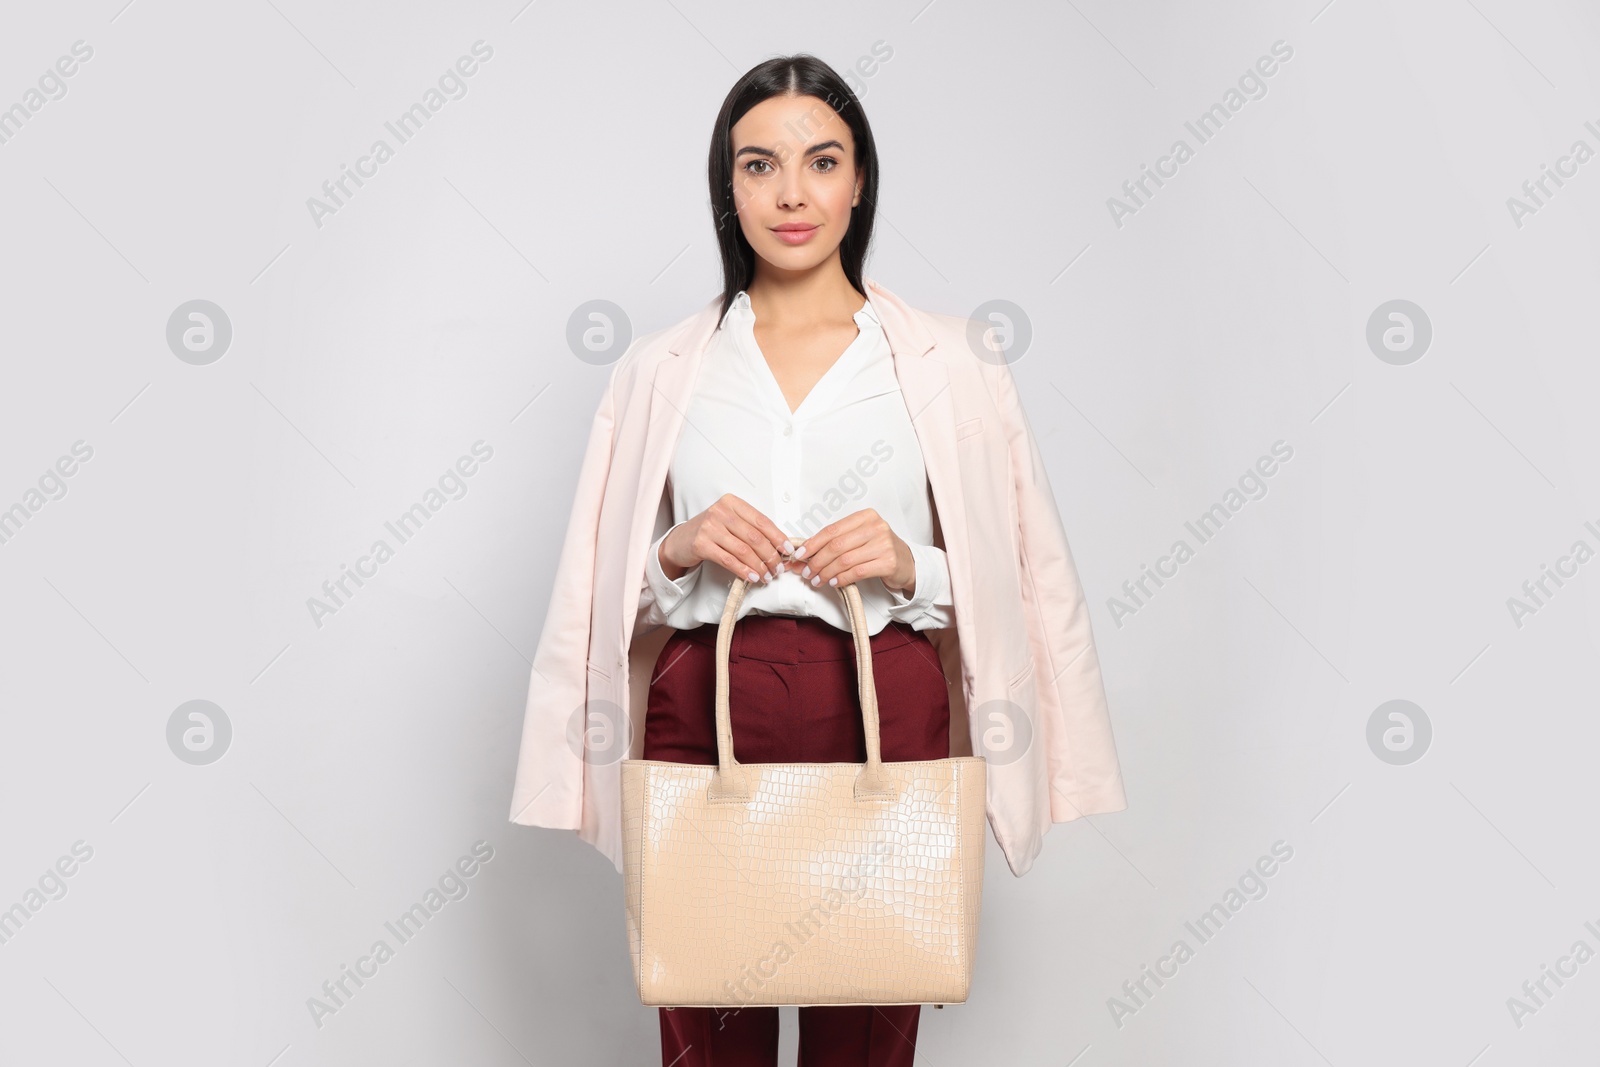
730	781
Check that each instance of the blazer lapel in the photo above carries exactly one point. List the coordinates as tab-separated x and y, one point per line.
925	383
671	385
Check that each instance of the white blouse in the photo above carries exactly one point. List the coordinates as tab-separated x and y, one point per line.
850	445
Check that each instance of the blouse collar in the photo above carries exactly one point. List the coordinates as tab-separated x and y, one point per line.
740	309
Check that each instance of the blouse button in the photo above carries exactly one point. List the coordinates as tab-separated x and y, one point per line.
787	430
786	497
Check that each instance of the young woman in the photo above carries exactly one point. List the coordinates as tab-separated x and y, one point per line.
808	430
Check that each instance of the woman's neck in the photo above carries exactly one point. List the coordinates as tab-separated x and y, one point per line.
793	300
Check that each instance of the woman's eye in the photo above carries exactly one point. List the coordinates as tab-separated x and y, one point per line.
756	163
831	163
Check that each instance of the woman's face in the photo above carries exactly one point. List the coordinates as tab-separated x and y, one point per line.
794	180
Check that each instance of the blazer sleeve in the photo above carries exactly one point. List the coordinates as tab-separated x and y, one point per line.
1074	722
548	790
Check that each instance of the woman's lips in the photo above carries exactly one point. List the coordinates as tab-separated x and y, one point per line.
794	236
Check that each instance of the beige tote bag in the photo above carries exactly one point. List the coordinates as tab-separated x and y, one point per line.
759	884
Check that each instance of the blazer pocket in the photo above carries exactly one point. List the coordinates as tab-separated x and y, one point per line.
601	671
1022	675
969	428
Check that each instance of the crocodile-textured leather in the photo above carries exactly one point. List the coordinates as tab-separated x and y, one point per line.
762	884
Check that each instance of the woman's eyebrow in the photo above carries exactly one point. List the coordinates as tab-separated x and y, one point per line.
813	150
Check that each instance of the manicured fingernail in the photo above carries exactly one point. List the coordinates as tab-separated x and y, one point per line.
833	581
769	576
800	553
817	580
780	568
805	572
788	546
754	577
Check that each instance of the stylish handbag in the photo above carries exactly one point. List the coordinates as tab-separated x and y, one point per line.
759	884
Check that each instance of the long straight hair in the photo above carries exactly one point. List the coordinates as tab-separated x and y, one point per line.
796	75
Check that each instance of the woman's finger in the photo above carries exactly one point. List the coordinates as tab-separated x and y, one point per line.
820	541
760	532
731	551
823	558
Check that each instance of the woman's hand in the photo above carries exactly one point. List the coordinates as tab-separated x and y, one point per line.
858	546
731	534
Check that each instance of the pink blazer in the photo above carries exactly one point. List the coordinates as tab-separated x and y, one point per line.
1030	698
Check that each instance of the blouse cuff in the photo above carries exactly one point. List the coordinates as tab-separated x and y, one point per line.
668	593
932	586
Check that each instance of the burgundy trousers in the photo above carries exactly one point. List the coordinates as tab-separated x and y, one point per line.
792	698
